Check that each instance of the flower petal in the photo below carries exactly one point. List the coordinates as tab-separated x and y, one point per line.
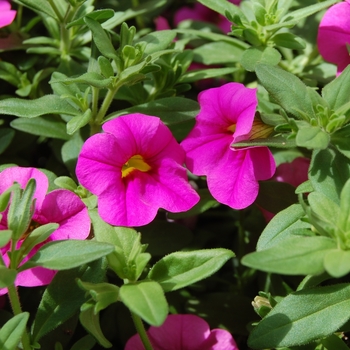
66	209
334	34
220	339
22	175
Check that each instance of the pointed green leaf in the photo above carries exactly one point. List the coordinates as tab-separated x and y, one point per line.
256	55
91	322
340	139
78	122
180	269
39	6
281	226
42	126
90	78
5	237
295	255
63	297
48	104
62	255
288	91
312	137
157	41
11	332
302	317
6	136
100	15
146	299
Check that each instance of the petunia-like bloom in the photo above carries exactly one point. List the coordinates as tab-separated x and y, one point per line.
184	332
6	14
59	206
199	12
135	167
333	38
226	116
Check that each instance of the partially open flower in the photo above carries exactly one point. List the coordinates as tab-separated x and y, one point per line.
6	14
59	206
180	332
134	168
333	38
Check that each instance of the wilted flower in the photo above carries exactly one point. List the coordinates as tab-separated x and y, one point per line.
6	14
59	206
180	332
135	168
334	35
226	116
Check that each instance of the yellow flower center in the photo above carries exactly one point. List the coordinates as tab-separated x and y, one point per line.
232	128
136	162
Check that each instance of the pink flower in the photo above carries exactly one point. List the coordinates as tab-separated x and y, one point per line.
202	13
59	206
184	332
226	116
334	35
135	168
6	14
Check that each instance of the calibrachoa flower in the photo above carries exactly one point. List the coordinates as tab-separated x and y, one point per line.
184	332
59	206
135	168
333	38
227	116
6	14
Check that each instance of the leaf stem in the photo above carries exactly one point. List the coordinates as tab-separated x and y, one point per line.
141	331
16	308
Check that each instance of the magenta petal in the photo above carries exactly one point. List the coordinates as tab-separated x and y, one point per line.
334	34
6	14
22	175
179	332
220	339
66	209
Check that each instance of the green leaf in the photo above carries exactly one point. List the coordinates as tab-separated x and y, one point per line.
295	255
334	341
312	137
257	55
100	16
91	323
336	93
5	237
337	262
62	255
157	41
329	171
101	39
42	126
180	269
48	104
11	332
41	6
302	317
340	139
86	343
6	136
274	141
196	75
222	6
146	299
90	78
288	91
105	66
343	219
10	73
292	18
63	297
289	41
7	276
282	225
70	151
78	122
39	235
208	53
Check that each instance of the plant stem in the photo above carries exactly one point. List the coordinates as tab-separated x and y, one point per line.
141	331
16	308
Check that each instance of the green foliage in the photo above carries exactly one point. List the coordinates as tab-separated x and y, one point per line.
11	332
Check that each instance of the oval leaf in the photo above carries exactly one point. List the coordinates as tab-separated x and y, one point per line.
11	332
180	269
146	299
66	254
302	317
